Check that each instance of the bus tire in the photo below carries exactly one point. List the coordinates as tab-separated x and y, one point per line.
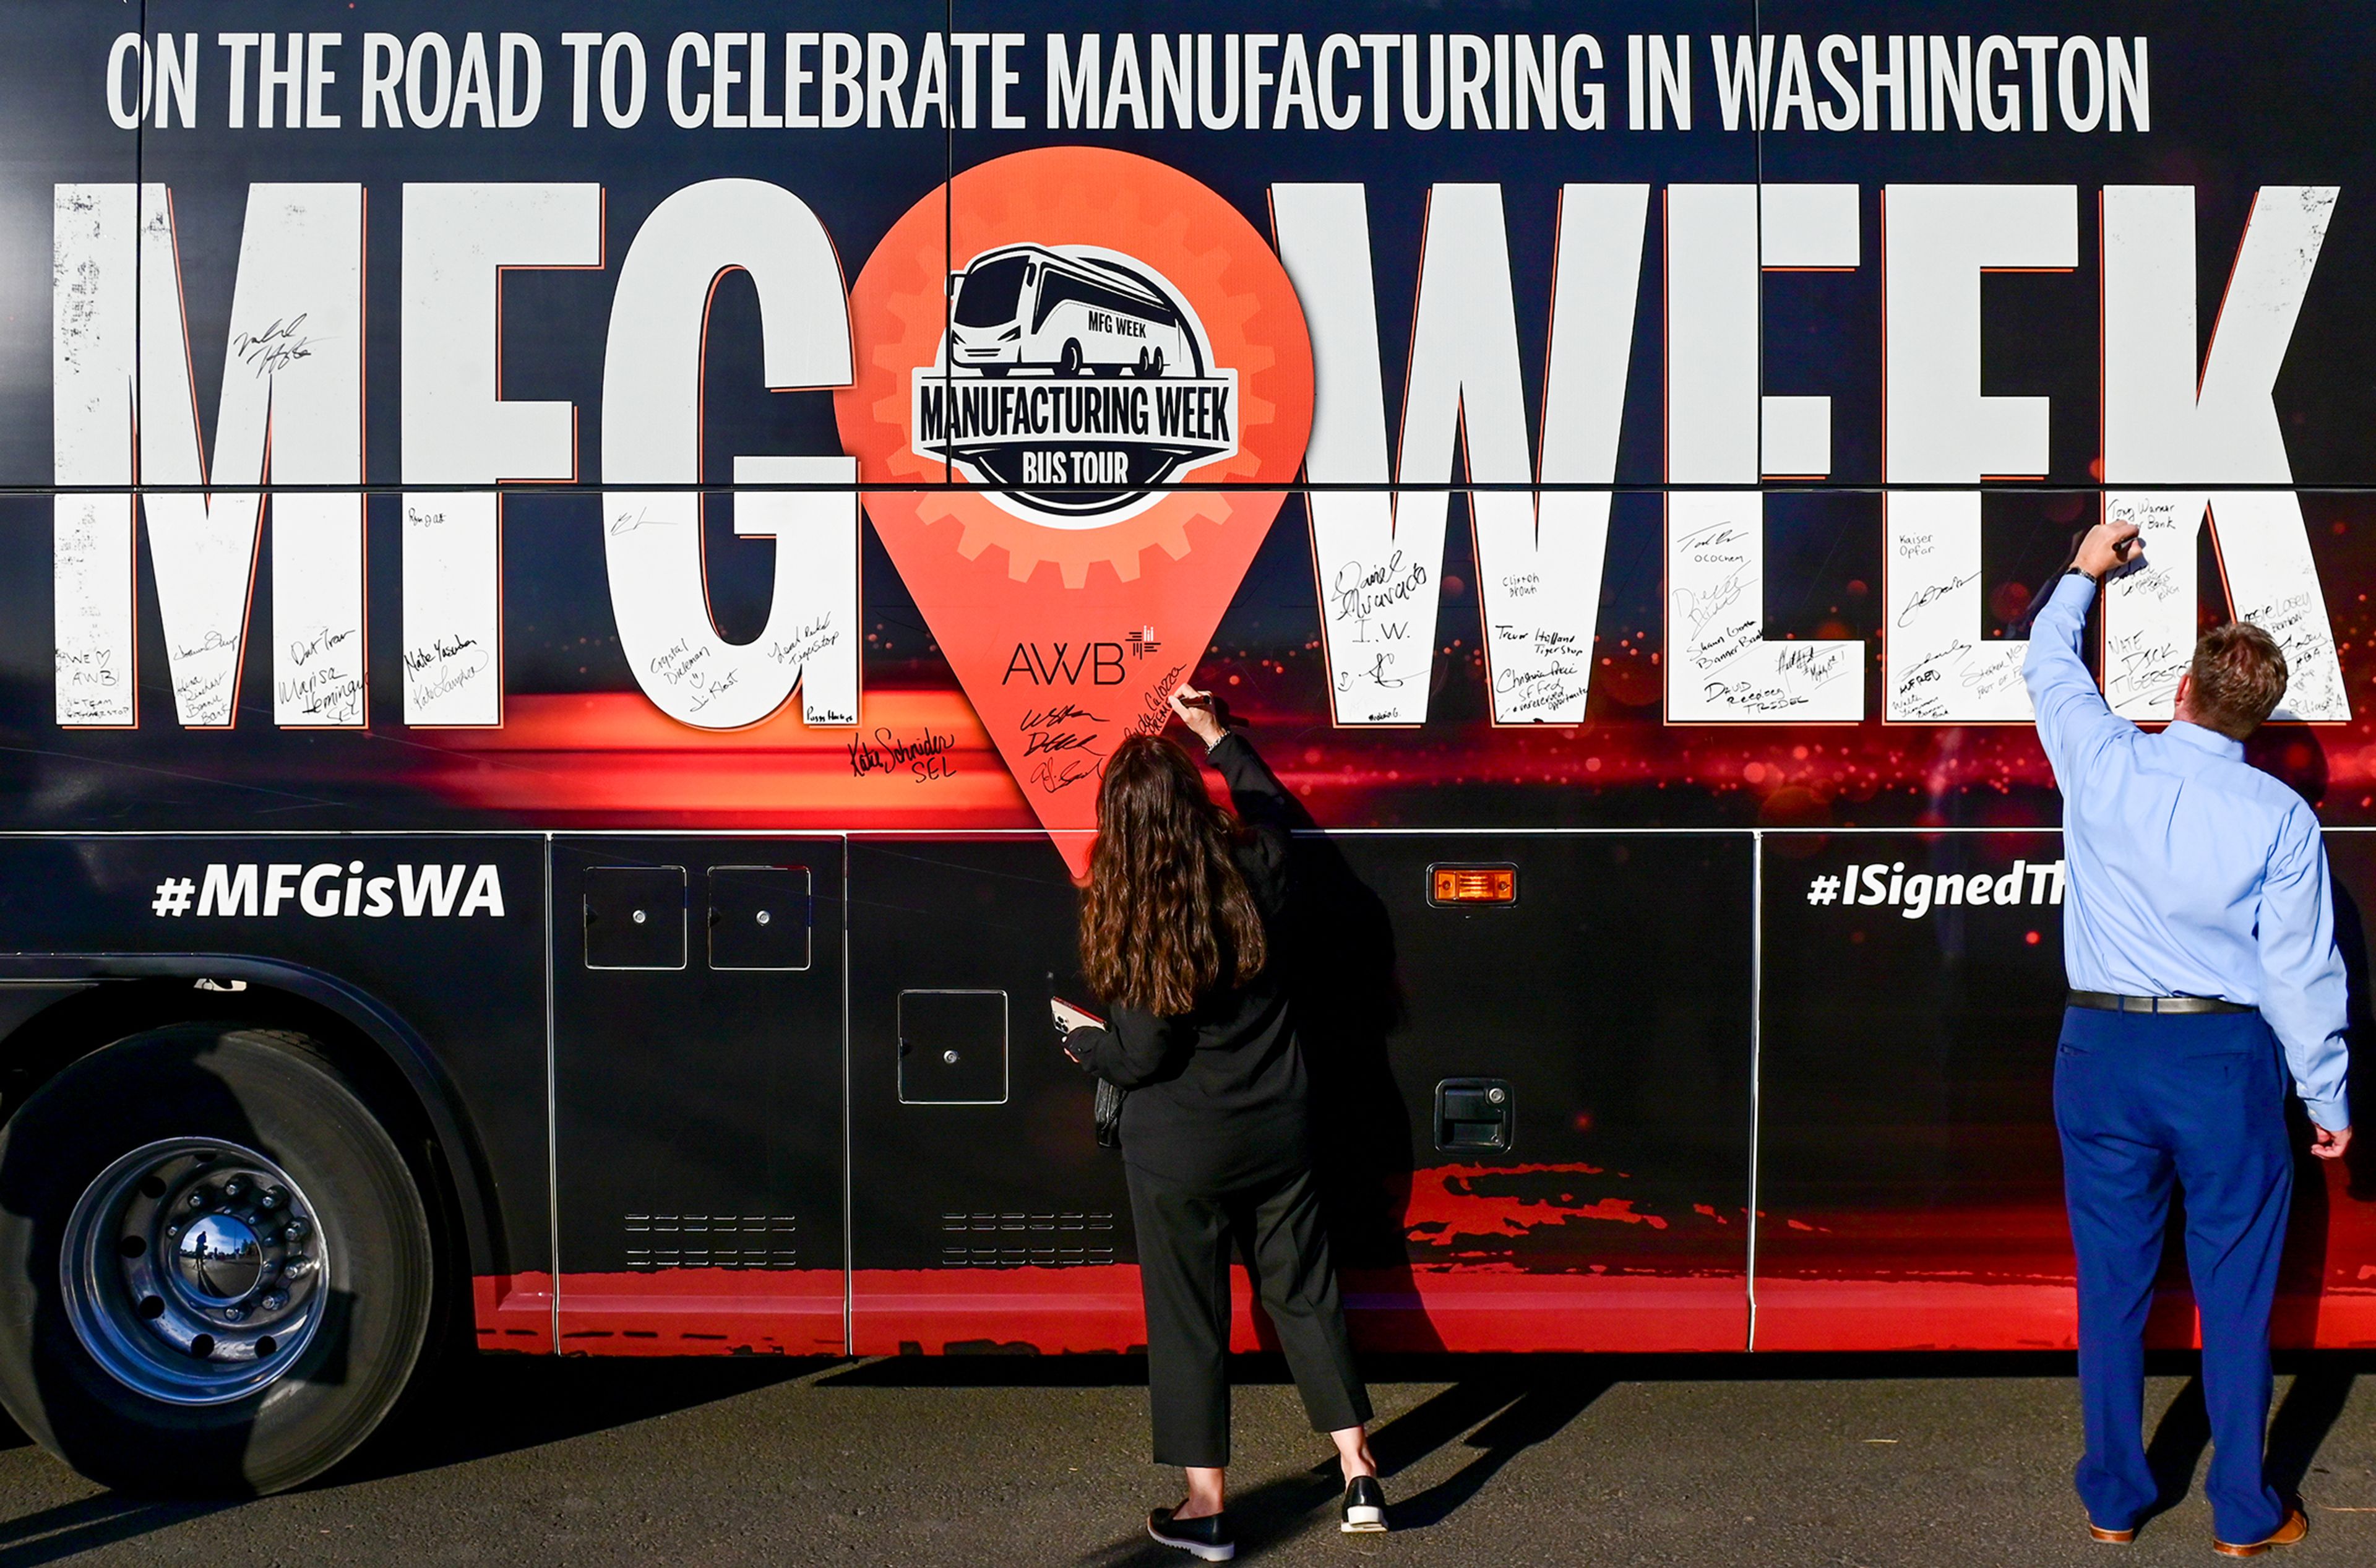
1070	361
215	1270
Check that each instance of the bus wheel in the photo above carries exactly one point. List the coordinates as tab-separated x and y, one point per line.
215	1267
1155	365
1071	361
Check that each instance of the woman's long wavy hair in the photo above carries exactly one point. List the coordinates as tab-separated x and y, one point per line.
1168	918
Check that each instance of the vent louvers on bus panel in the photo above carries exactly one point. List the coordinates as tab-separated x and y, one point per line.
1055	1239
712	1241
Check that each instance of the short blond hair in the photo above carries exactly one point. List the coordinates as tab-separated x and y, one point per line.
2238	675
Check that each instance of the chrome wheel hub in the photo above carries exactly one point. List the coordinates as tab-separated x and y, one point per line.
220	1260
193	1271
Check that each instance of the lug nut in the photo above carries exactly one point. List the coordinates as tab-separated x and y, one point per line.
296	1228
197	1200
236	1186
269	1200
232	1314
274	1302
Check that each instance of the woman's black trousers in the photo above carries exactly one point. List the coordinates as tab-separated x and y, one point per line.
1185	1236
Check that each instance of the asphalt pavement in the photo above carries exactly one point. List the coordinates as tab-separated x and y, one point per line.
1832	1461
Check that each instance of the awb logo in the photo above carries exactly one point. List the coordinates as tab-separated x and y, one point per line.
334	890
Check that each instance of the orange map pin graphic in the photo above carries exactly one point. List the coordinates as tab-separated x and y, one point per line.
1100	353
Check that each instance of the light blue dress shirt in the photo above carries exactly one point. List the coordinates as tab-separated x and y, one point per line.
2191	872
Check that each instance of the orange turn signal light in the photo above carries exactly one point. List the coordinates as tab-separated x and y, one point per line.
1472	884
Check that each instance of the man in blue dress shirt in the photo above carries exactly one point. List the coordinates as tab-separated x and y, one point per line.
2199	940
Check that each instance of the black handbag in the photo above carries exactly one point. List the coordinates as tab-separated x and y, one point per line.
1106	1114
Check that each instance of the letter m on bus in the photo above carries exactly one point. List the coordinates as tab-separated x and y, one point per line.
228	890
125	411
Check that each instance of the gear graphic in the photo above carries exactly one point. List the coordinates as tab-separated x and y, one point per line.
984	522
1122	203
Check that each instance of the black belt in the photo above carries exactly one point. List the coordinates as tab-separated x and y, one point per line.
2108	1002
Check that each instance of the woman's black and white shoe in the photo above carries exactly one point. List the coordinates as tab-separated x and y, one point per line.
1207	1538
1365	1508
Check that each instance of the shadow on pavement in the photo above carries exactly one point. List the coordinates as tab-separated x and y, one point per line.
1025	1370
476	1408
2175	1451
52	1534
2312	1406
1494	1407
1516	1412
469	1408
1525	1400
2321	1387
1534	1415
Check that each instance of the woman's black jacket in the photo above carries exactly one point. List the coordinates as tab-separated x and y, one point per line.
1219	1097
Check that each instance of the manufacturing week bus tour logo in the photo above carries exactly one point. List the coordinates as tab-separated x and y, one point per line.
1077	378
1072	365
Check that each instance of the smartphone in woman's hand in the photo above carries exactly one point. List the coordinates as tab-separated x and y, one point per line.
1069	1017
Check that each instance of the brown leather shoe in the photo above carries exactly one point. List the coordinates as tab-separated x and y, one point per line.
2110	1537
2297	1526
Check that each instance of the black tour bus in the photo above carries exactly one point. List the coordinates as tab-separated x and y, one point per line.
551	721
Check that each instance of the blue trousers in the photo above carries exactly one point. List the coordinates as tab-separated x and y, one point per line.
2141	1099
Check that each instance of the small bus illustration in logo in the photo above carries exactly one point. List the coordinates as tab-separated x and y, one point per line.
1025	307
1075	378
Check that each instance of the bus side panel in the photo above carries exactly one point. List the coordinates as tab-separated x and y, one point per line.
2327	1293
697	1070
1910	1177
984	1214
443	934
1611	1005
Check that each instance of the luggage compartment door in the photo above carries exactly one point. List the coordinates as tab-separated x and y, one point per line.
697	1094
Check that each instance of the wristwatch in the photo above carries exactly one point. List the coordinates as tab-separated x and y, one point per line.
2083	572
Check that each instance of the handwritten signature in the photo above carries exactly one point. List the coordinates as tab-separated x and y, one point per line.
925	758
1699	606
306	649
1057	774
1055	729
274	349
1361	591
1929	596
444	665
1376	675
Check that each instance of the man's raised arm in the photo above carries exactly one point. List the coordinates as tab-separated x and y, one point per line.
2073	718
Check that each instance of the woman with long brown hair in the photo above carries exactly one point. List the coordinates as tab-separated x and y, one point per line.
1180	936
